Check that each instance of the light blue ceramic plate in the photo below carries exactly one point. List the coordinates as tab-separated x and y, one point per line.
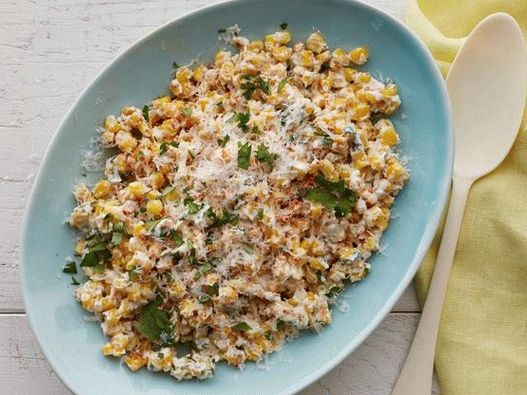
72	344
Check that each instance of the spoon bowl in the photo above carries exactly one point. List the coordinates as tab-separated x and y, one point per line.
486	87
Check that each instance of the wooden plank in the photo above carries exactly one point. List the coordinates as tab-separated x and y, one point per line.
371	369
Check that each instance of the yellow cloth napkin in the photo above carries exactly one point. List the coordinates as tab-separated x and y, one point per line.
482	345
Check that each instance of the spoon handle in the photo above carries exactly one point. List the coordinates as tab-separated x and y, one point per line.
416	375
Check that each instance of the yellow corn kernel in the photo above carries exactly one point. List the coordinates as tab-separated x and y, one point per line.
349	74
395	171
347	252
316	42
177	289
107	349
316	211
328	169
111	124
101	189
360	111
280	38
221	57
364	77
390	90
135	361
137	189
256	46
293	302
376	163
183	74
126	142
389	136
359	55
173	195
323	57
365	97
198	73
382	220
154	207
152	194
306	245
281	53
161	101
360	160
157	180
317	264
340	57
227	71
307	58
228	295
317	248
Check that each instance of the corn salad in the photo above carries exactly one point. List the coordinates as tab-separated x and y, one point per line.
237	207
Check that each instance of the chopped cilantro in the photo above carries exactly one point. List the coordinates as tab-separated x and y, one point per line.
282	84
187	111
118	233
212	290
70	268
242	327
74	281
204	298
222	30
192	206
163	148
176	237
167	190
132	273
248	249
192	256
280	324
333	195
283	25
151	224
334	291
225	218
145	113
242	118
256	130
175	66
244	155
263	155
202	269
153	322
269	336
251	84
90	260
223	142
326	139
260	213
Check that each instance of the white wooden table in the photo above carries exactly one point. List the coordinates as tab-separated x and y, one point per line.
49	51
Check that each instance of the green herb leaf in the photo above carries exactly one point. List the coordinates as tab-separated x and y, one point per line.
89	260
334	291
206	267
151	224
153	321
187	112
212	290
248	88
242	118
132	273
175	66
225	218
99	247
283	25
118	233
74	281
176	237
263	85
70	268
242	327
192	206
145	113
244	155
260	213
280	324
163	148
264	156
223	142
282	84
333	195
222	30
248	249
192	256
167	190
204	298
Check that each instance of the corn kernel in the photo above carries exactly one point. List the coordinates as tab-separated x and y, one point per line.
316	211
360	160
359	55
390	90
137	189
183	74
340	57
135	361
154	207
111	124
316	42
280	38
102	189
152	194
317	264
360	111
256	45
221	57
307	58
282	54
125	141
157	180
349	74
198	73
389	136
323	57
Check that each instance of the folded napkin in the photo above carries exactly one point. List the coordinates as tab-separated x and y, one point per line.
482	345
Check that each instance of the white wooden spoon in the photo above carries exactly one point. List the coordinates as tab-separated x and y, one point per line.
487	89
